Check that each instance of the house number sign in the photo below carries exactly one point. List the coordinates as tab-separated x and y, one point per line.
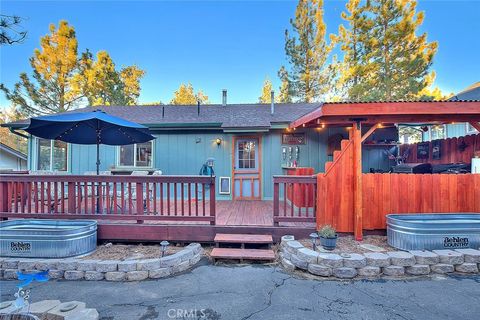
293	138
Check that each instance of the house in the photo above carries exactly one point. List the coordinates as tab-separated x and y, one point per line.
461	129
305	165
249	142
11	159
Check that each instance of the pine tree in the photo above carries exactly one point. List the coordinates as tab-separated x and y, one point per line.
399	59
53	70
266	97
307	52
285	95
185	95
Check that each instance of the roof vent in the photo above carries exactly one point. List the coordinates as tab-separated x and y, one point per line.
198	107
272	102
224	97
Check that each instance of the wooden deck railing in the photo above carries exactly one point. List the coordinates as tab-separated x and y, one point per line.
294	199
177	198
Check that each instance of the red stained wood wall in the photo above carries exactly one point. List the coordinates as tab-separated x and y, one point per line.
450	150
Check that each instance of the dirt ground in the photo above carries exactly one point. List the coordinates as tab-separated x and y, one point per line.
347	244
130	251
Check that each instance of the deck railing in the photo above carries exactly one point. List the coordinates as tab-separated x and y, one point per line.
140	198
294	199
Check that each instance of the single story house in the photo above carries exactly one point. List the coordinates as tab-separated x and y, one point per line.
462	129
11	159
249	142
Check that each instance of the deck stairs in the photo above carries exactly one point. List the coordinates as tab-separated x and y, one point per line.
338	154
243	247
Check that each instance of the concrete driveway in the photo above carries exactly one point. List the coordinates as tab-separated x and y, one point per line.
264	292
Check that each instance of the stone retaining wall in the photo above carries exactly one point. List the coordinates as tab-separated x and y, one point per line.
110	270
294	255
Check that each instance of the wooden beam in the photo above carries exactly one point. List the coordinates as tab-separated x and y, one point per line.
357	180
370	131
476	125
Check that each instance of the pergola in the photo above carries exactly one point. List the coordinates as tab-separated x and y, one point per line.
379	114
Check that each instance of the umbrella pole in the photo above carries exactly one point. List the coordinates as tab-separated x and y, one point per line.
98	171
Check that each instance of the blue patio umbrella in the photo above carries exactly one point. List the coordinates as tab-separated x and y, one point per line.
96	127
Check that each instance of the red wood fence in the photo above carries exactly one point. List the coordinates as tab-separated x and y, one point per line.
178	198
451	150
294	199
417	193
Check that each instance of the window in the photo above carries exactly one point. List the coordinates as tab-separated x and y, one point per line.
470	129
136	155
52	155
437	132
246	155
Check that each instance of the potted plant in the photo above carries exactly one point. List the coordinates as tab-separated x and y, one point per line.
328	237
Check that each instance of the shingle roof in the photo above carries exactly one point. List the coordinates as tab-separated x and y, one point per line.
12	151
242	116
470	93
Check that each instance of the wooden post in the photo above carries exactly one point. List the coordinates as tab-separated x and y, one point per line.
139	194
212	201
276	201
357	175
3	196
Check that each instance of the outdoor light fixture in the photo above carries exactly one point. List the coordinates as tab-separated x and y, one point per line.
164	244
314	237
218	141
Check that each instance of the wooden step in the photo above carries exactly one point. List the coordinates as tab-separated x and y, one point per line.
243	238
243	254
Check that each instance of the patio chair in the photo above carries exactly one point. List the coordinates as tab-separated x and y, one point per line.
61	194
90	192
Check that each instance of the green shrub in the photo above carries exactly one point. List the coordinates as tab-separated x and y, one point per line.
327	231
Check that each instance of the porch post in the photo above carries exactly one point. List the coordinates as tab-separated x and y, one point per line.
357	180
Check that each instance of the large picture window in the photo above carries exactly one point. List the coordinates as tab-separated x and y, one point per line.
136	155
52	155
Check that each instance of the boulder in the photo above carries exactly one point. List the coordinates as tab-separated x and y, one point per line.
354	260
377	259
425	257
319	270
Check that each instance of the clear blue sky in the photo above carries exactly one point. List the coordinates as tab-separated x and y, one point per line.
220	44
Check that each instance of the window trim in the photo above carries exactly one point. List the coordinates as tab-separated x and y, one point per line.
152	164
467	129
36	155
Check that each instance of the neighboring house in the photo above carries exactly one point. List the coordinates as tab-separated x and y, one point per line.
249	142
462	129
11	159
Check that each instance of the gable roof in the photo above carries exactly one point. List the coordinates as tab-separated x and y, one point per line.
13	152
230	117
470	93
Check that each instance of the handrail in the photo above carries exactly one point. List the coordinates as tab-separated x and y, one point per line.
334	163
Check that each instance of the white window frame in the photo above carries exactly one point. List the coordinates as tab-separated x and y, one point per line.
135	157
37	145
469	129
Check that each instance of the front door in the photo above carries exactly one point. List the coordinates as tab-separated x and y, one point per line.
246	168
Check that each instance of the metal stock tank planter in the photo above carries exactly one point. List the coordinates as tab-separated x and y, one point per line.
433	231
30	238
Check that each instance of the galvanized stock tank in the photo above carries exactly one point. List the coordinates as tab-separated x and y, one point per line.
31	238
433	231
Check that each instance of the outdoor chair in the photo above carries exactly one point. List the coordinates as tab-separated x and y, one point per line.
61	194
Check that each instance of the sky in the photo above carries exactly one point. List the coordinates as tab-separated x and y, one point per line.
215	45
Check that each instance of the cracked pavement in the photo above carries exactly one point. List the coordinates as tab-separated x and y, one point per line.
267	292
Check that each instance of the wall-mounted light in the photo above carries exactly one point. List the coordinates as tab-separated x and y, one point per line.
218	141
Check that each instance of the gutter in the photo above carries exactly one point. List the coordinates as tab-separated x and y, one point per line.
12	130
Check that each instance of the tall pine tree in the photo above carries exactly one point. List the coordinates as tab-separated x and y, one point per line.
387	60
307	52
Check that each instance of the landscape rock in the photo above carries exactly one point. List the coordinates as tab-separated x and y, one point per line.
148	264
159	273
10	274
73	274
126	266
449	256
65	310
94	275
332	260
26	264
467	267
308	255
169	261
354	260
43	265
55	274
287	265
418	270
84	314
87	265
137	275
377	259
401	258
369	271
107	266
195	247
320	270
345	273
181	267
293	246
394	271
470	255
442	268
41	307
184	255
299	263
425	257
10	263
68	264
115	276
196	258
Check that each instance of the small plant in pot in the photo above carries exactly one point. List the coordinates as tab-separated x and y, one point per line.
328	237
